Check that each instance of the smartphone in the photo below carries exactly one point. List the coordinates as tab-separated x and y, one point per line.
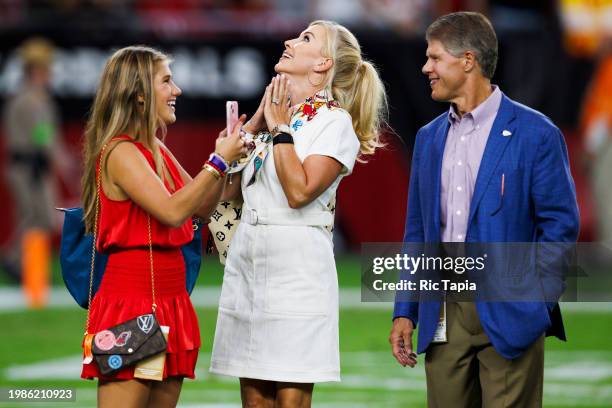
231	115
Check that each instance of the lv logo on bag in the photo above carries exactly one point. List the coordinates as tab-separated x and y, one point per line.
145	323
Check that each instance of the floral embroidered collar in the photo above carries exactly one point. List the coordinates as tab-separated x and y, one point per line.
309	108
262	141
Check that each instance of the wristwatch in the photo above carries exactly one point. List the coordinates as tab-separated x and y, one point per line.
281	129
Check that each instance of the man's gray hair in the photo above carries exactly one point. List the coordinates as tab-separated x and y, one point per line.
467	31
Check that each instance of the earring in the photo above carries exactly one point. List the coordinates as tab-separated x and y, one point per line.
315	85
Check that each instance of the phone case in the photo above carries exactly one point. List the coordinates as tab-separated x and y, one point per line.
231	112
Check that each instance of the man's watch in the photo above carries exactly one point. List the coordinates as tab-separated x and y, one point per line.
281	129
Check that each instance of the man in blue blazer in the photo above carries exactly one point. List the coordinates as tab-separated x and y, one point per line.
488	170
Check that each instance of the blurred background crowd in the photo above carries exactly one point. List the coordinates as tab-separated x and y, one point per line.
555	56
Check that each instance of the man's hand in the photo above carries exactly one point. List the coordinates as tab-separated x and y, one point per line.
401	341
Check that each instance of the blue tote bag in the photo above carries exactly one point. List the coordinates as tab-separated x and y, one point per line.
75	257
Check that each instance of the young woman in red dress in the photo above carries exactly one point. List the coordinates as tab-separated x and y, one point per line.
140	178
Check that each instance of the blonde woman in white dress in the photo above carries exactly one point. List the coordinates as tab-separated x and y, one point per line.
277	328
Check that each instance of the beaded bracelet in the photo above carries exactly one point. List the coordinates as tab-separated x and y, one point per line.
213	165
219	162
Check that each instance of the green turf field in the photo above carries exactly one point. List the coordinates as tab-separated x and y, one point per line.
42	349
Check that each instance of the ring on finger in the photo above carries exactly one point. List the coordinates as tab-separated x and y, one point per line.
275	101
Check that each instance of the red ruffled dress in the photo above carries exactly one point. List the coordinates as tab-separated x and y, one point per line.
125	290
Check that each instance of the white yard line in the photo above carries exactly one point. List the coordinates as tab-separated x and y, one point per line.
578	367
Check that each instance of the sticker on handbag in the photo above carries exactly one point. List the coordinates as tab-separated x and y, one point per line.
115	361
105	340
145	323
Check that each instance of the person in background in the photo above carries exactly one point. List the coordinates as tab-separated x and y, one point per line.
35	149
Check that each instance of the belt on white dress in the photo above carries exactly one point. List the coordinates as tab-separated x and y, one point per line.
287	216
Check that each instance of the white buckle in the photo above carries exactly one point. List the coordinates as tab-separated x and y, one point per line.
250	216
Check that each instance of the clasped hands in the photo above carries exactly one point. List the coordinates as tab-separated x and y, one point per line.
274	108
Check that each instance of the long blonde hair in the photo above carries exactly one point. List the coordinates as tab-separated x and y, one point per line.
127	75
355	84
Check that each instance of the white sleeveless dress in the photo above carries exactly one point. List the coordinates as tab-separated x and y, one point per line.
278	311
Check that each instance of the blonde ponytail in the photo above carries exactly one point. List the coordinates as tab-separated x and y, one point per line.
356	86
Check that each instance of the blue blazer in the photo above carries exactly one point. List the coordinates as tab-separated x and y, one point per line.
538	205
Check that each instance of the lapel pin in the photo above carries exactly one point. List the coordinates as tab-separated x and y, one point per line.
506	133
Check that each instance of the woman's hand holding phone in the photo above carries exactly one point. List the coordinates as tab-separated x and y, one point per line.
233	146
